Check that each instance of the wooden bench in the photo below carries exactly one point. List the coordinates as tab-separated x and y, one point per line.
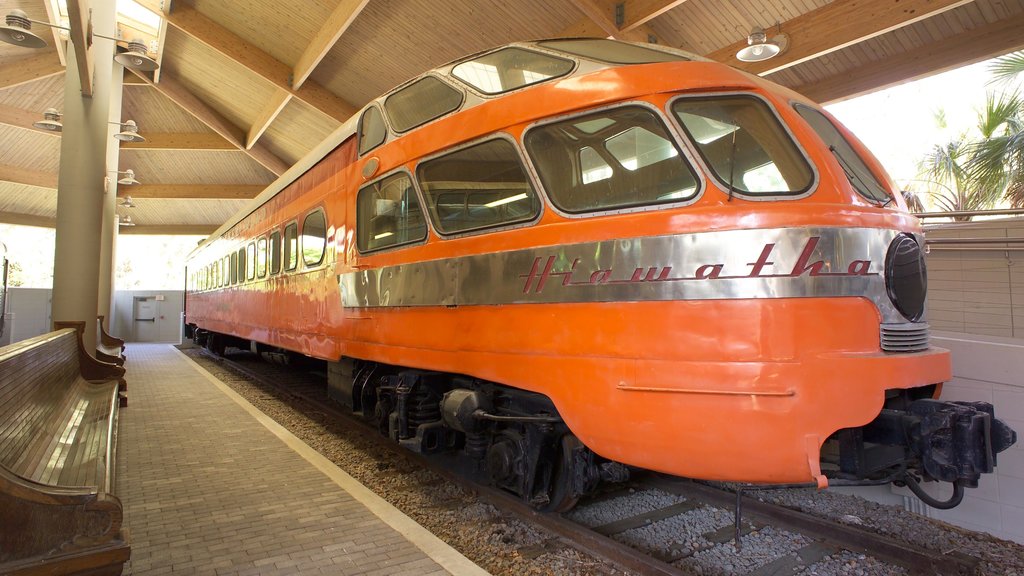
108	348
58	430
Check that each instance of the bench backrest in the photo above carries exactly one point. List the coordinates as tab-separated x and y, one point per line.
35	374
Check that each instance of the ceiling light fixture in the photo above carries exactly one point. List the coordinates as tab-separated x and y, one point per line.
126	221
18	31
50	121
127	202
129	132
128	180
760	48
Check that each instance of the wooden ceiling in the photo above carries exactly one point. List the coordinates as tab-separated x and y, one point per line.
248	87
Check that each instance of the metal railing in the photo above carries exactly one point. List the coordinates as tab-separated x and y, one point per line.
966	213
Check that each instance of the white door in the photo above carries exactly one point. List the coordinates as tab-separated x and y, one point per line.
145	319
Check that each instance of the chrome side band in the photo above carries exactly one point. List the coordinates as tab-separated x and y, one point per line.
737	264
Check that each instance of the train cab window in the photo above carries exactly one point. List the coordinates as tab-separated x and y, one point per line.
510	69
275	252
420	102
291	246
613	159
388	214
612	51
314	238
481	186
261	257
745	145
372	130
250	261
234	268
860	176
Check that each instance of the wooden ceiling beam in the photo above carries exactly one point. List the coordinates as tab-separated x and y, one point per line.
598	13
54	17
639	12
30	69
78	20
191	191
601	19
836	25
190	21
968	47
180	141
180	95
27	220
335	25
26	177
23	119
267	116
170	229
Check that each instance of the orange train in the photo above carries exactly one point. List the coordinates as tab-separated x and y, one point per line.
561	258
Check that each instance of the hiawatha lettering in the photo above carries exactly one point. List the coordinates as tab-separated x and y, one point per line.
543	270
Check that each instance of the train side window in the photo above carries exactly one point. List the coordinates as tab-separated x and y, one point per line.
745	145
314	238
509	69
215	280
261	257
241	265
481	186
612	159
275	252
422	101
234	268
389	214
372	130
250	261
861	177
225	265
291	246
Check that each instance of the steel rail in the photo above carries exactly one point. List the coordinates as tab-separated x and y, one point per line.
969	213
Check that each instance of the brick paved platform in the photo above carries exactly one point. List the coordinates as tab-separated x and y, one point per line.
212	486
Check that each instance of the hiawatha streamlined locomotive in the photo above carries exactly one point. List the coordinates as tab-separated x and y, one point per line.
561	257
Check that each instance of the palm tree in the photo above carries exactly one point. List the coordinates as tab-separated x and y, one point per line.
997	160
944	167
1007	67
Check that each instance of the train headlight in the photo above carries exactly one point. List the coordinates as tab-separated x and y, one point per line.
906	278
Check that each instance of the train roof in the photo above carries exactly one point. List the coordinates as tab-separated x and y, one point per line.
588	55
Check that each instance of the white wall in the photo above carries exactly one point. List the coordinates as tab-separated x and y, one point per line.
29	310
988	369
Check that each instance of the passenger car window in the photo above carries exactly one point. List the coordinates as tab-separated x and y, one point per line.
421	102
225	277
234	268
510	68
616	158
372	130
275	252
745	145
291	246
860	176
250	261
261	257
478	187
388	214
314	238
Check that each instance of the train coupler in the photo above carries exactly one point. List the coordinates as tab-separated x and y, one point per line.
959	441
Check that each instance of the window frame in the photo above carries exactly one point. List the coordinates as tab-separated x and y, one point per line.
530	48
359	125
384	103
678	138
524	161
423	212
302	253
284	244
812	186
233	258
262	240
280	253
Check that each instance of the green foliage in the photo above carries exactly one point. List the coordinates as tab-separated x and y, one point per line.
1007	67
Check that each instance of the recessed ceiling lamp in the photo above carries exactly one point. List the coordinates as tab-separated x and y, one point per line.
50	121
129	132
18	31
760	48
126	221
128	180
136	57
127	202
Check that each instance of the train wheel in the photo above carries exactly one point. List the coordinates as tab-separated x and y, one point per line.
563	482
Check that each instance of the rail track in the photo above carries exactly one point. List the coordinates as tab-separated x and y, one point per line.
801	540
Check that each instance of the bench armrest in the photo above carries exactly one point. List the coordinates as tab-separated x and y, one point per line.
91	368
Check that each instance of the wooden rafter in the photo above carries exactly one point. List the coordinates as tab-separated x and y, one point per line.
601	19
835	26
267	116
335	25
180	95
25	177
23	119
54	17
27	220
191	191
180	141
968	47
30	69
170	229
78	20
639	12
203	29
